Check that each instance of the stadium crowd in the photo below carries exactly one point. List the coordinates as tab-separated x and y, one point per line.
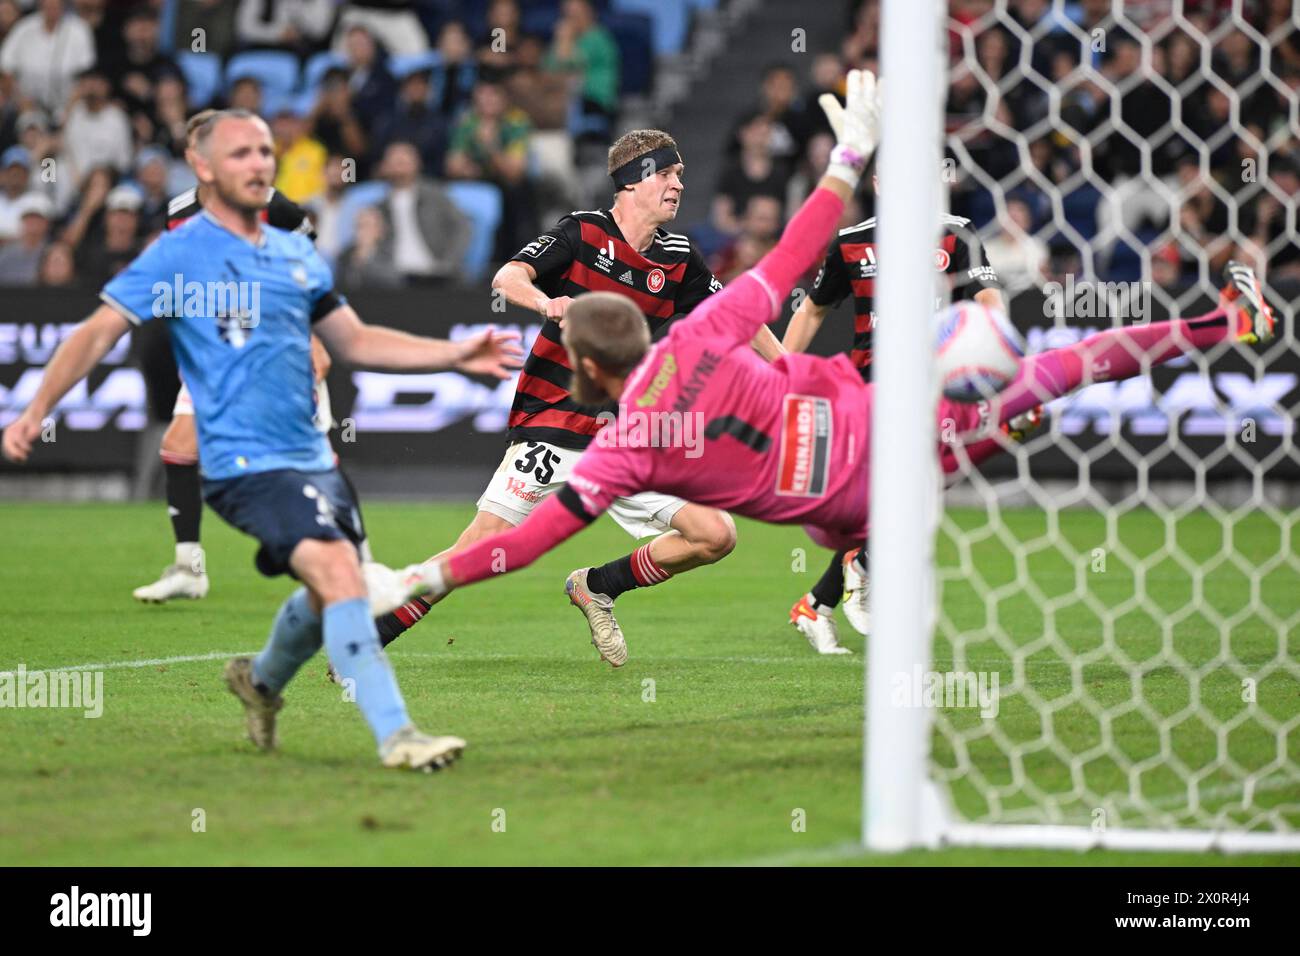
429	140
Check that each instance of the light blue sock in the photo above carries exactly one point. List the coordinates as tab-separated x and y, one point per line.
353	647
295	637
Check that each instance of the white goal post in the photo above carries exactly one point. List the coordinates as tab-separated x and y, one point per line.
1118	726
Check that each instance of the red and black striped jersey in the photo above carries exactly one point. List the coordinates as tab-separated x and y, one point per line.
280	211
586	252
850	269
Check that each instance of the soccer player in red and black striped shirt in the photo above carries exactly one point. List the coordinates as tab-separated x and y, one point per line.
624	250
850	270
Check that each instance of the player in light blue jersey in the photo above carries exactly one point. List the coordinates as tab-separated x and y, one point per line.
242	299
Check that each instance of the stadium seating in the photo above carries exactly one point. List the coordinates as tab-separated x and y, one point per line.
671	19
203	76
276	70
481	202
317	66
630	31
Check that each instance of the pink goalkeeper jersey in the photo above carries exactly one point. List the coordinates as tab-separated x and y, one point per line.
703	417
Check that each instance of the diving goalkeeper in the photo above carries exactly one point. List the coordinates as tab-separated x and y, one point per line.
786	442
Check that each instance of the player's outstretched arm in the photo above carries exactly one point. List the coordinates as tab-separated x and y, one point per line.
805	322
350	340
515	281
553	522
753	300
72	361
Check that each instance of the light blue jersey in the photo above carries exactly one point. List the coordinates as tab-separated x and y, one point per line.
240	320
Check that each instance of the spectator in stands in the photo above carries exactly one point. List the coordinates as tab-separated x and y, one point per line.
112	246
20	260
139	64
327	208
759	229
754	172
1265	222
584	50
300	159
458	71
58	268
369	261
15	177
414	120
96	132
392	22
1167	267
300	26
85	219
170	115
10	14
44	53
152	170
491	143
211	20
246	94
334	122
430	235
543	95
779	101
501	46
862	46
372	85
1019	257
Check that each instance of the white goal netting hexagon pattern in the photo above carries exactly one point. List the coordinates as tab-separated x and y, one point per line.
1130	574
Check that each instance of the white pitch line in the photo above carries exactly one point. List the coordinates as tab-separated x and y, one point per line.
152	662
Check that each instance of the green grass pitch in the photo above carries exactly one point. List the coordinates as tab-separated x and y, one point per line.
722	731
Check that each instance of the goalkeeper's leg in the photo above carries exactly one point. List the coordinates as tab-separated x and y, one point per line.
1118	354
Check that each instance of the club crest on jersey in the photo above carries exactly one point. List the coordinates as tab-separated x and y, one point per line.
234	329
942	259
654	280
803	469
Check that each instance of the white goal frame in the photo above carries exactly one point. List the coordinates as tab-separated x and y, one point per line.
903	808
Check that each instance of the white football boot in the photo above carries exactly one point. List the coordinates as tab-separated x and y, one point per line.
407	748
857	593
817	627
259	709
606	635
176	581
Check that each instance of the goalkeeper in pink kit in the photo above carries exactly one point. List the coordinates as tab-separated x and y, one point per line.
786	442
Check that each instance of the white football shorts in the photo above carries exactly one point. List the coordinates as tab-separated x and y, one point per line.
531	471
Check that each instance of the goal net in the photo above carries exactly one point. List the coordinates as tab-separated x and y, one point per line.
1107	652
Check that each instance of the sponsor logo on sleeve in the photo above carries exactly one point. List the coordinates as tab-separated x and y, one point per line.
537	246
804	465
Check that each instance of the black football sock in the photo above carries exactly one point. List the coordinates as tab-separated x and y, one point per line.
395	623
184	501
830	588
612	579
636	570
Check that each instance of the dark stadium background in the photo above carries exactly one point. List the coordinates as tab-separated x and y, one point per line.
711	71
